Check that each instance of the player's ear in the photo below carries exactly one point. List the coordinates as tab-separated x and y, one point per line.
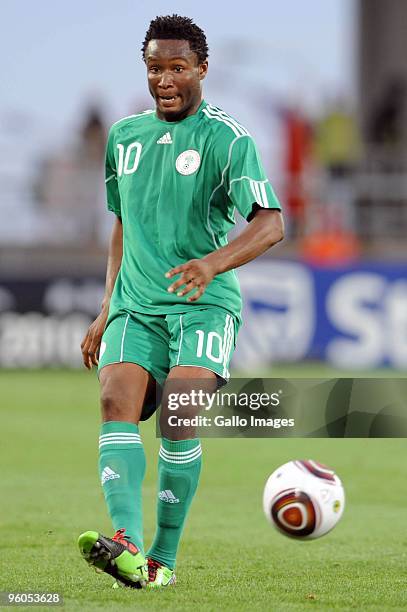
203	69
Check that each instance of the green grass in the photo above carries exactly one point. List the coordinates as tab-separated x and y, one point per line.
230	558
311	369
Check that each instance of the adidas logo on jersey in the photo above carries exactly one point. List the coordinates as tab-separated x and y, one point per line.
166	139
109	474
168	496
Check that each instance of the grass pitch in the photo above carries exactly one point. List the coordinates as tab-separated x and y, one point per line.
230	558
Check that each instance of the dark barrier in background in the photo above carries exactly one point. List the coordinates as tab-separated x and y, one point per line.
350	317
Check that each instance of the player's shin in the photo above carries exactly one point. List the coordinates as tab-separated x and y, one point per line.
179	466
122	466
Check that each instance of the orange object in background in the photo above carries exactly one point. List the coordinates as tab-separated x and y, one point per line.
330	247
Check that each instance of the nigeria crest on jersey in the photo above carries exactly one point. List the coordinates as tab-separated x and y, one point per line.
188	162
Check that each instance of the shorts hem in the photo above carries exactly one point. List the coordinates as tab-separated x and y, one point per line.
197	365
157	378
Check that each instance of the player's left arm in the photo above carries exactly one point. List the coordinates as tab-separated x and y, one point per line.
264	230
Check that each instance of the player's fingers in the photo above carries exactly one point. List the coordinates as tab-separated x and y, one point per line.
190	285
86	353
93	359
185	278
85	340
87	360
95	356
95	342
84	350
93	350
197	294
176	270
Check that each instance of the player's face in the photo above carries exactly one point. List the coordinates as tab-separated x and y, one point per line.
174	78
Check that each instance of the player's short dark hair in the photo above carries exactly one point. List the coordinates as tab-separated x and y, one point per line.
175	27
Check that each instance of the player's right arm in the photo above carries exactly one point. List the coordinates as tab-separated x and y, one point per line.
91	343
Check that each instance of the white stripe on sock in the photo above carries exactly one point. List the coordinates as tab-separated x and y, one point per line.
181	462
181	454
123	439
120	442
119	435
181	459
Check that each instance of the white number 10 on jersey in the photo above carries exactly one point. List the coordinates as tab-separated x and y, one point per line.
129	163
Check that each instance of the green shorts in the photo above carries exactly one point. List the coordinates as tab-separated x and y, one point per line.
204	337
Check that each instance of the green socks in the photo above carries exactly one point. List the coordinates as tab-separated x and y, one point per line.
122	465
179	466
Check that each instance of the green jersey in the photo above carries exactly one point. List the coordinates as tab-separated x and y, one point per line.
175	186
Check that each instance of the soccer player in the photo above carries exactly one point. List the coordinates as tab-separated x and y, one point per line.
174	177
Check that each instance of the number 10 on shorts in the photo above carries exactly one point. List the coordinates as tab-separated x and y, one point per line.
213	344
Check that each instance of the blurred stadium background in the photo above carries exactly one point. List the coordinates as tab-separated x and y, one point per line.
322	87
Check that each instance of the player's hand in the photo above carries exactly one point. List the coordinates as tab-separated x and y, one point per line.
90	345
195	274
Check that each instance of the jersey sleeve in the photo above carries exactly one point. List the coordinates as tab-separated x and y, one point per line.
112	187
247	183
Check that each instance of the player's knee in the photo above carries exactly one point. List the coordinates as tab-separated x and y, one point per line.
177	426
113	406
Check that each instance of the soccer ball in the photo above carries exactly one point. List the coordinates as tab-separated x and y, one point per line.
304	499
